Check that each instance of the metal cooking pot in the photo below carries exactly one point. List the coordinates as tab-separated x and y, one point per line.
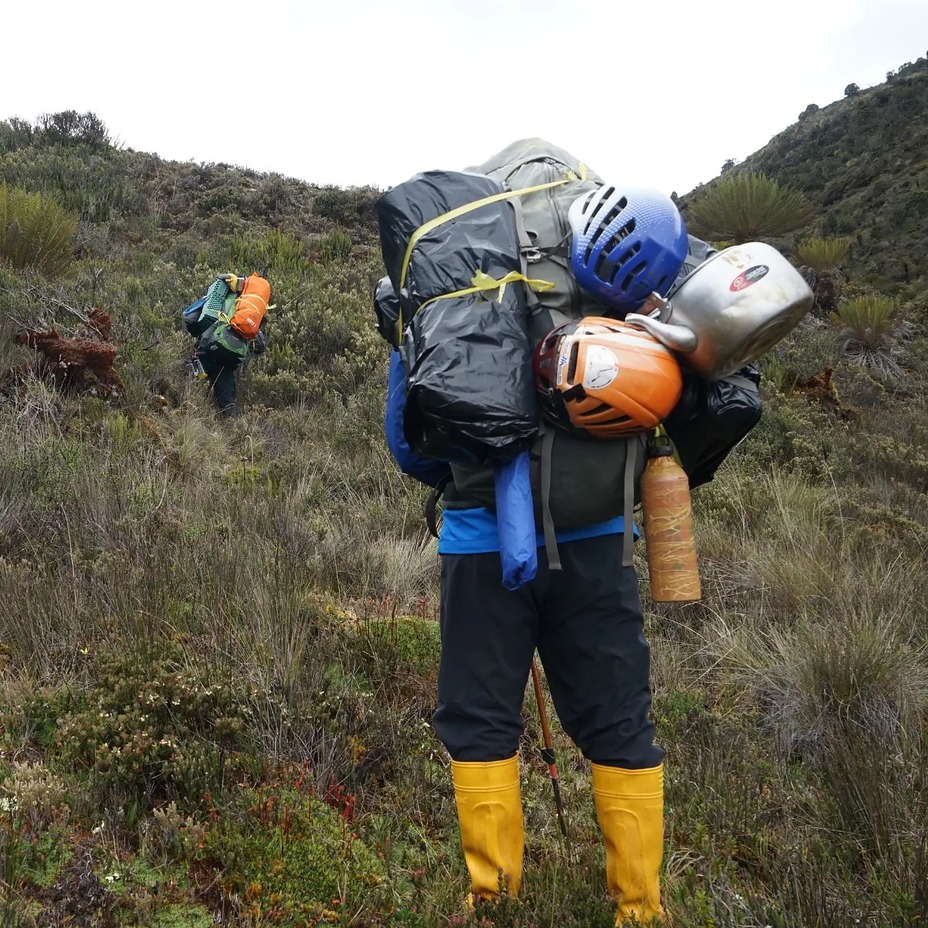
739	303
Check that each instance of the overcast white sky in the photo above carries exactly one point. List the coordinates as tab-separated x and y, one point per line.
364	92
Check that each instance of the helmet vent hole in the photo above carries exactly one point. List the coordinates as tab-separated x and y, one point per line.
639	268
602	199
620	262
615	210
605	269
605	408
619	236
572	362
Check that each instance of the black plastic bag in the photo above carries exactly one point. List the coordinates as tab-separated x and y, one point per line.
711	418
470	390
445	256
387	311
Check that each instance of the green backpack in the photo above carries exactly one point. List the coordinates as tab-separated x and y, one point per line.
551	179
216	336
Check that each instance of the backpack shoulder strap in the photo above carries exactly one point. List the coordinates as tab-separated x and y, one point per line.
432	515
628	513
547	522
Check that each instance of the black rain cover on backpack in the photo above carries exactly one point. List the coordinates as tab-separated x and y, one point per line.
470	392
465	344
446	254
710	419
387	311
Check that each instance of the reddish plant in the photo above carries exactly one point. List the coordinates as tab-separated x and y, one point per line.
84	361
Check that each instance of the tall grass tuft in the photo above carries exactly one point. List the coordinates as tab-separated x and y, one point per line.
866	325
35	231
278	252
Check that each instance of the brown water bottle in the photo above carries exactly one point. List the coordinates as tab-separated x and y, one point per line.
668	529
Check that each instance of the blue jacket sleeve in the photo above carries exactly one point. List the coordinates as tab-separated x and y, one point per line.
426	470
515	521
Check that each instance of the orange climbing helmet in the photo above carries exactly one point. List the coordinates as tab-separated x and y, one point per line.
605	377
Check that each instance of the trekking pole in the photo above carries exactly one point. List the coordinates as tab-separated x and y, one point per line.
547	752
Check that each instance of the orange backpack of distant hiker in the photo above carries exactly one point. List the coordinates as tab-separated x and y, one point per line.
251	306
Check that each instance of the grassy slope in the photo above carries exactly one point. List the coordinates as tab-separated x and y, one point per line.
218	639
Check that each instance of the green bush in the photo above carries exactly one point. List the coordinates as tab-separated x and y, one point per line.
275	250
333	247
346	207
866	325
35	231
96	187
69	127
745	206
289	855
151	729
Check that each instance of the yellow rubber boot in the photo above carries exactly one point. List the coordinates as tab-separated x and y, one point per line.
630	808
490	814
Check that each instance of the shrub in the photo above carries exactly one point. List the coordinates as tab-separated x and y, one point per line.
72	128
823	254
15	133
746	206
333	247
35	231
866	324
848	695
346	207
152	729
808	111
275	250
290	855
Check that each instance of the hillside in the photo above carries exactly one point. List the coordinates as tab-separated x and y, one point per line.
219	638
863	160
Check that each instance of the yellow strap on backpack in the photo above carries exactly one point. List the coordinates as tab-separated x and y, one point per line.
476	204
483	282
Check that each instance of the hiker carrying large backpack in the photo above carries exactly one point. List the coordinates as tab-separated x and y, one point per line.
228	325
487	286
585	618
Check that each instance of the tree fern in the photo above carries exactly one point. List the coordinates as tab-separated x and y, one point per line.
747	207
35	232
823	255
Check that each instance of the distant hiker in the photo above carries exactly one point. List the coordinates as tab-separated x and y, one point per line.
228	324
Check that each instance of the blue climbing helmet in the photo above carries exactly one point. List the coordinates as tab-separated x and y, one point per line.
625	244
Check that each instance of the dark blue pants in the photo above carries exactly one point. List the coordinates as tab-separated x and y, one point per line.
221	379
586	623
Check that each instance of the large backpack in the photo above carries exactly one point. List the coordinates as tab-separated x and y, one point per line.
576	480
218	303
226	319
